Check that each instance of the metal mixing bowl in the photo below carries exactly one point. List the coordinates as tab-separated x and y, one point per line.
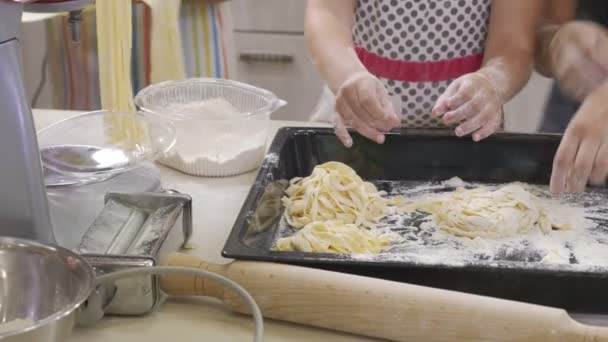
42	285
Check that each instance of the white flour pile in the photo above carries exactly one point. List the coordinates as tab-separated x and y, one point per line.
15	325
212	109
222	143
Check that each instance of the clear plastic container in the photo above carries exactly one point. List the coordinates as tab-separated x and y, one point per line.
80	149
222	126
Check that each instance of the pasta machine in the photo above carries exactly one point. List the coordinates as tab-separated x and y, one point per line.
24	211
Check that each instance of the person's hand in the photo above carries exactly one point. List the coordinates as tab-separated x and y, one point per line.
472	101
578	55
582	156
363	104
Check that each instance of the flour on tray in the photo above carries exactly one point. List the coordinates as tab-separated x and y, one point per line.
420	241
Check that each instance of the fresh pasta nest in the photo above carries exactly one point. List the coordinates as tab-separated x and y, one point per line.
334	237
483	212
334	192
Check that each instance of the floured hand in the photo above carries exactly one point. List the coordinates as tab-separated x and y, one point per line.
363	104
472	101
582	156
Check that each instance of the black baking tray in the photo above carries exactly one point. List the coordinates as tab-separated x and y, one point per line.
417	155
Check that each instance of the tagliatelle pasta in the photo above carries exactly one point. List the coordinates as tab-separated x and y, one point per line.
114	49
334	237
166	54
483	212
334	192
333	208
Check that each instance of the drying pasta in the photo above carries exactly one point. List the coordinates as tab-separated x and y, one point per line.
114	49
334	237
482	212
166	57
334	192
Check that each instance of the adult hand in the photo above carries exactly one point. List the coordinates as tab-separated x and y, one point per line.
578	57
582	156
363	104
473	101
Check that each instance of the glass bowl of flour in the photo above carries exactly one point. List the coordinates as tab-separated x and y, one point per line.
222	126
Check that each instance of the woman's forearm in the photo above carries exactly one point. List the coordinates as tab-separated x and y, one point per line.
510	45
545	32
556	13
328	35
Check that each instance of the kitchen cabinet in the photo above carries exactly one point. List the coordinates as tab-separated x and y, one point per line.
284	16
271	53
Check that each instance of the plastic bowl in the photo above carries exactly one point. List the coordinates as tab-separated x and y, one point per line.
80	148
222	126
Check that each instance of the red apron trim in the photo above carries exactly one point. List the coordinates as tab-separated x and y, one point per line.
443	70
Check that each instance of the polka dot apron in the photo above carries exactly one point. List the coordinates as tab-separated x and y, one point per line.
418	47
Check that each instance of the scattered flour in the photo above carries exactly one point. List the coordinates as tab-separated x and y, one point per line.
222	142
272	159
453	182
584	247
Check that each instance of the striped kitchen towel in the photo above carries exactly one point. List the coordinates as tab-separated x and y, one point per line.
207	39
72	72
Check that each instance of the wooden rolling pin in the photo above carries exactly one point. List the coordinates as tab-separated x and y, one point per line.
379	308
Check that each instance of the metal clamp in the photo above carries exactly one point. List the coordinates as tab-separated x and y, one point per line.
93	309
75	20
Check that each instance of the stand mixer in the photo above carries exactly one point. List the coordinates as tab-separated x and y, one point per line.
63	215
25	211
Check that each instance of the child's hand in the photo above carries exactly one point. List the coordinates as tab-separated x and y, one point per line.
473	101
363	104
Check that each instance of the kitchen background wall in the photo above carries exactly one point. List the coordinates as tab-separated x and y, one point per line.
271	54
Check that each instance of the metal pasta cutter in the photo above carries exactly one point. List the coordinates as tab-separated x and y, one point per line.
134	230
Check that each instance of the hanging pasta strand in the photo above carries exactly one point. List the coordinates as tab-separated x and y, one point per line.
166	56
114	49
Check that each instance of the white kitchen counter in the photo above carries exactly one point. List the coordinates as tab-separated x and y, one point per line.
216	202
